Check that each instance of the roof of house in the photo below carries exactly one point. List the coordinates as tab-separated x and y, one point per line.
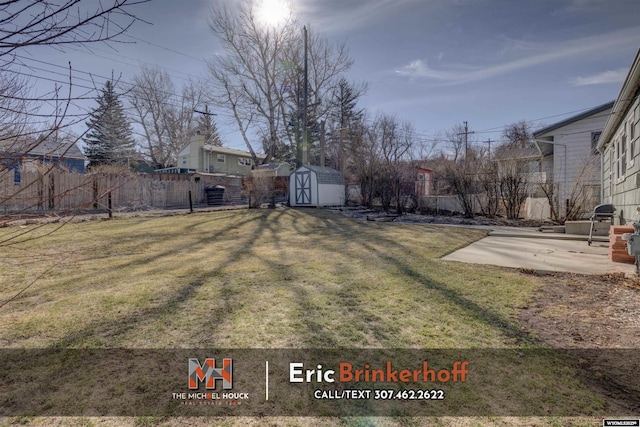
231	151
507	152
46	148
630	88
563	123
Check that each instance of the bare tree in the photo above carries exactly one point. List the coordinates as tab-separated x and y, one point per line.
429	147
383	162
248	77
463	183
57	23
14	105
513	182
260	78
488	179
456	142
518	135
514	157
581	196
166	118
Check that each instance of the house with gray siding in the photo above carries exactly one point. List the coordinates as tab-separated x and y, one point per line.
570	163
620	147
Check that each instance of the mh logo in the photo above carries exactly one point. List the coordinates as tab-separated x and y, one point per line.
208	373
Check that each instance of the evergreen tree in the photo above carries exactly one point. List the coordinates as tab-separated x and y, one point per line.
346	124
109	139
207	127
346	96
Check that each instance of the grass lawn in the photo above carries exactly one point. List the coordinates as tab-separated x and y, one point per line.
256	279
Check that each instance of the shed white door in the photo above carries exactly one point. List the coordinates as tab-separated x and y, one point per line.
303	188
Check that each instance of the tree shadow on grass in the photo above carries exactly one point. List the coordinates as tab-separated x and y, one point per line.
179	299
312	228
374	238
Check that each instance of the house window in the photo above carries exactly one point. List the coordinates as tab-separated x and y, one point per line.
420	177
184	160
16	175
595	136
220	158
244	162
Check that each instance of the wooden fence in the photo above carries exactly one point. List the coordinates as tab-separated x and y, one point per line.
62	191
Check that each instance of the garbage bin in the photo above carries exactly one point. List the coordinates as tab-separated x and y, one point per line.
215	195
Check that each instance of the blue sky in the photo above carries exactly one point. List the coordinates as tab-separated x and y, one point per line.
435	63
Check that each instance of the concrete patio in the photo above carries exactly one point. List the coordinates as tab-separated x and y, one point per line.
529	248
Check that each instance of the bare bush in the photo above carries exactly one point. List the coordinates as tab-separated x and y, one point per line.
579	198
259	190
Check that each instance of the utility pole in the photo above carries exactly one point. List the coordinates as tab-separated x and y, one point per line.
466	141
489	142
205	112
305	137
207	130
322	145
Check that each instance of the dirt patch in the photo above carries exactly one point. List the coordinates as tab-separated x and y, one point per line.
597	320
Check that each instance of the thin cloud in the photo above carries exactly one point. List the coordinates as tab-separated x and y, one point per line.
545	54
338	15
606	77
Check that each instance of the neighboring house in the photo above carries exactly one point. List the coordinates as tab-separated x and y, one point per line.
620	147
424	182
519	159
27	156
197	156
569	163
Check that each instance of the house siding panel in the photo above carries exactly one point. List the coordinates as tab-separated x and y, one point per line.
626	193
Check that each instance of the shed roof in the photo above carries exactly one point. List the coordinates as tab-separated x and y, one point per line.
324	174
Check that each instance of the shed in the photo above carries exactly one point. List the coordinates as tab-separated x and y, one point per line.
316	186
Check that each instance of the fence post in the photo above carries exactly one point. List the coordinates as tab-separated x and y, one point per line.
40	191
190	203
95	192
109	205
52	192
